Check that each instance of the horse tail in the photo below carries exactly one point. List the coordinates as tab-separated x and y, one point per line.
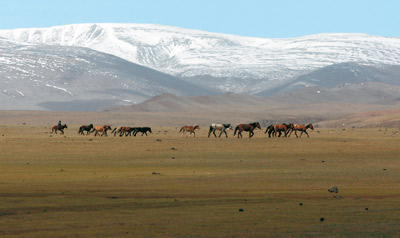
182	129
236	129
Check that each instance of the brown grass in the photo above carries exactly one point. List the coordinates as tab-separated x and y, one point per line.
85	186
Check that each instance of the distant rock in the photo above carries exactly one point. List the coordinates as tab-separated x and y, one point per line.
333	190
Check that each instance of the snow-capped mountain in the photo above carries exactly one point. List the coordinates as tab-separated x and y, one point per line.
77	78
228	63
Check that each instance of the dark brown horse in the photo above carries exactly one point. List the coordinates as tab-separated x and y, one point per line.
103	129
85	128
247	127
190	129
302	128
56	128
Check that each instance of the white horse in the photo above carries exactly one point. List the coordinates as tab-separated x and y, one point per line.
219	127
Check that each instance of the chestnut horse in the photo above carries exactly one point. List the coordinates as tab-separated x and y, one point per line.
99	129
55	129
285	128
190	129
247	127
85	128
302	128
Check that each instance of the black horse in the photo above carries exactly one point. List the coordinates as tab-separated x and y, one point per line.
86	128
144	130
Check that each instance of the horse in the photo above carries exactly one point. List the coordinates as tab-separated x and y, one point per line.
190	129
98	129
247	127
130	131
285	128
270	129
219	127
85	128
302	128
56	128
144	130
124	130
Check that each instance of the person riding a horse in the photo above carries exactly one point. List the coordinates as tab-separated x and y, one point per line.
59	125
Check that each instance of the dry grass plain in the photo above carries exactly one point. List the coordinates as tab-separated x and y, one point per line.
82	186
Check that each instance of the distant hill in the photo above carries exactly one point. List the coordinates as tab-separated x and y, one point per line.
339	74
380	118
376	93
214	103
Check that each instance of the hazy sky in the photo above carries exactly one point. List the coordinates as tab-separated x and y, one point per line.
259	18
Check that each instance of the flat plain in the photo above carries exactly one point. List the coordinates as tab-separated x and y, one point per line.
163	185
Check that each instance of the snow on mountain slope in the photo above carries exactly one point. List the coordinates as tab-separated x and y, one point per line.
77	78
226	62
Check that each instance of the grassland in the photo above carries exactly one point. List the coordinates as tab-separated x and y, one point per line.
166	186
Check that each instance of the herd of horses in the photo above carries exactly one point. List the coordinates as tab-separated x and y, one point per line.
273	130
102	130
276	130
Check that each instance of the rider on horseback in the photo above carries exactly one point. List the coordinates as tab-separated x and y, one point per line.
59	125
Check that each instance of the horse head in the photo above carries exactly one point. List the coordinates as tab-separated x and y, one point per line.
310	126
256	124
196	127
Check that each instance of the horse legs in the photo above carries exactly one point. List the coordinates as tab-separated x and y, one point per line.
251	133
295	132
219	136
291	133
214	132
307	134
224	131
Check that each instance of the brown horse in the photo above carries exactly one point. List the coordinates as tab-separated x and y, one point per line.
55	129
285	128
125	130
190	129
246	127
302	128
102	129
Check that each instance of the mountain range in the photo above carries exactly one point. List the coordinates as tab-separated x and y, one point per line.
92	66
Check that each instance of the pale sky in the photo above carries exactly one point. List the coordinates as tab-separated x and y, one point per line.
258	18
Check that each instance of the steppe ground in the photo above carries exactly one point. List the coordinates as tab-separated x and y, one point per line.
163	185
